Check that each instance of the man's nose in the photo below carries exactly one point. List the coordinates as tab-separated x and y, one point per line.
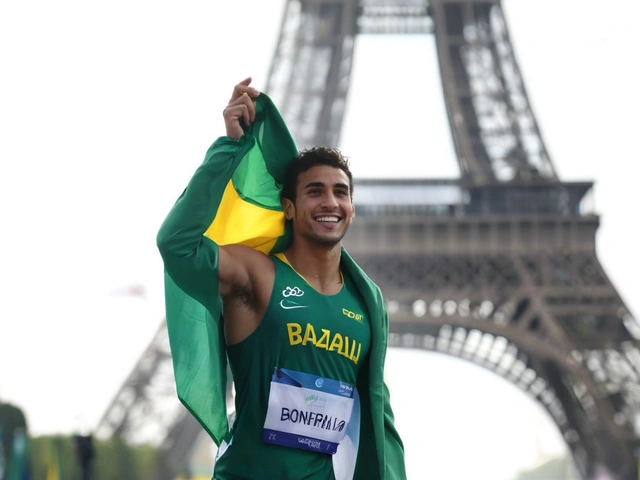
329	200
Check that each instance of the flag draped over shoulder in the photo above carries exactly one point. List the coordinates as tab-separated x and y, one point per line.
234	198
241	181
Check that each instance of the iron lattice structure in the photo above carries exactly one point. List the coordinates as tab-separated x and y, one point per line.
498	268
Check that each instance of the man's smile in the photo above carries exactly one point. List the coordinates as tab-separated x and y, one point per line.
327	219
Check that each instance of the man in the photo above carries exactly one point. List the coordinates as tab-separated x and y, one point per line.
304	329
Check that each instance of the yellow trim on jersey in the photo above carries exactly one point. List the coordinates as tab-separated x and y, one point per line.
282	257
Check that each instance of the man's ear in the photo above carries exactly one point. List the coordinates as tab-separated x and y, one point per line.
288	208
353	213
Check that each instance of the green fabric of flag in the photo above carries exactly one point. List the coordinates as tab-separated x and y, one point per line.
234	197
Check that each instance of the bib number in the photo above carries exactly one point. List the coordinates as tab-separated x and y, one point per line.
307	411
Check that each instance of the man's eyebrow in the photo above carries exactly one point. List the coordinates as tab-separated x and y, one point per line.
321	184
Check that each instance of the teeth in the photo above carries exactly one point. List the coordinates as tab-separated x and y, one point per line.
327	219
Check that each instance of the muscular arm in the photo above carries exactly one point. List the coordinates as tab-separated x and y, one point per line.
195	268
246	281
196	264
201	268
190	258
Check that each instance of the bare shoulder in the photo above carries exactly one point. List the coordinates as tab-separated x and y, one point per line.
246	281
247	256
243	270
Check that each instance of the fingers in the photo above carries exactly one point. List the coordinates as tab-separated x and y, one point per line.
241	108
240	113
242	97
243	88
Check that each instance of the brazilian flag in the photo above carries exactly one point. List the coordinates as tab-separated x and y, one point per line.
241	182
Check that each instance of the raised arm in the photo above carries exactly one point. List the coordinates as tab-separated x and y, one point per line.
194	262
195	266
236	263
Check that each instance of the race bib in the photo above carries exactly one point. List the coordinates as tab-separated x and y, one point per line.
307	411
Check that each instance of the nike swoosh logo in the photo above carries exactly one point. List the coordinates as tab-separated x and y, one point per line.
291	305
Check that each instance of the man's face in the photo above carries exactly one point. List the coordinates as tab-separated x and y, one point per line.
323	209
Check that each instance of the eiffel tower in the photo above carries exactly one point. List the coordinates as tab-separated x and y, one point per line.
497	267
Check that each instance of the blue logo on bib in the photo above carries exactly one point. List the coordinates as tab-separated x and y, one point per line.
319	382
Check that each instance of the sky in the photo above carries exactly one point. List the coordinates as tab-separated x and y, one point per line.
107	108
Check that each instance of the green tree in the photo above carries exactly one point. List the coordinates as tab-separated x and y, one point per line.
146	458
114	460
14	460
53	458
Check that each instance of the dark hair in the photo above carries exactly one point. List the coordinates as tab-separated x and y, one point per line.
313	157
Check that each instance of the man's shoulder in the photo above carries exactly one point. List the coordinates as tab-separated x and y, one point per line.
239	250
252	262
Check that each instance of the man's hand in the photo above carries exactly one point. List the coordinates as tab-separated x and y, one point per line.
241	108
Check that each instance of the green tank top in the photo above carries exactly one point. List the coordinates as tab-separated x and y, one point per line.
304	331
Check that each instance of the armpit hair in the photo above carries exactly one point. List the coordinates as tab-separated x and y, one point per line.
243	297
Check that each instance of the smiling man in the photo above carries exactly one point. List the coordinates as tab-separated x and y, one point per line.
304	329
